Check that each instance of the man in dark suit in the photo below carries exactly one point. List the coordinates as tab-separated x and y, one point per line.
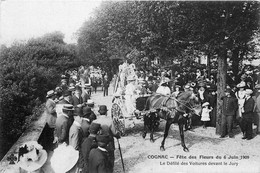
107	128
248	115
105	85
99	157
63	125
230	106
88	144
77	100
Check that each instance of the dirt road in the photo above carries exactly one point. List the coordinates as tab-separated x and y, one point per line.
208	153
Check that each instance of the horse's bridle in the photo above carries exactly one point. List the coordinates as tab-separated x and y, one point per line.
182	103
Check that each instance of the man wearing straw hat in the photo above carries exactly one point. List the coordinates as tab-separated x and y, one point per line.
63	124
248	115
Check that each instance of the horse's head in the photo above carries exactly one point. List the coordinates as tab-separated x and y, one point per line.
190	102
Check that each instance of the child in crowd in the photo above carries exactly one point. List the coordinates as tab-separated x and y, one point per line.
205	114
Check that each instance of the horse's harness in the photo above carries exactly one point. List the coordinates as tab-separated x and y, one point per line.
176	108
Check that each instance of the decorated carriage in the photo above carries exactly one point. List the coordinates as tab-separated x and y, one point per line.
127	106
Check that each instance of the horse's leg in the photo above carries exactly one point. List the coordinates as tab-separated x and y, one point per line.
181	124
166	131
152	126
145	126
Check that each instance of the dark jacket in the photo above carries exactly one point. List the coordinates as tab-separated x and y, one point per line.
230	105
86	146
98	162
76	100
249	109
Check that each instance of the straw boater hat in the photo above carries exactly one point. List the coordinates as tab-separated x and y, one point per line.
248	91
241	85
205	104
68	107
50	93
32	156
90	102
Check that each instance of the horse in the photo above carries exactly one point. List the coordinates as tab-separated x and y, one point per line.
173	110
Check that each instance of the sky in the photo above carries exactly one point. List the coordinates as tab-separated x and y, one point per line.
23	19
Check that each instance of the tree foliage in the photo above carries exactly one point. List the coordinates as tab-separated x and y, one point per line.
27	72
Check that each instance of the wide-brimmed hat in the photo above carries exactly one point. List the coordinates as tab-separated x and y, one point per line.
35	157
205	104
68	107
257	86
50	93
103	138
102	109
248	91
241	85
94	128
64	158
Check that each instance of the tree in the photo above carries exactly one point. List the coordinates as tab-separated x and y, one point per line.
27	72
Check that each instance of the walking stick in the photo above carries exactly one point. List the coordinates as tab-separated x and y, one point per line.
121	155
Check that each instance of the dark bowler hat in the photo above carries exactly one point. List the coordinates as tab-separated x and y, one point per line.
103	139
213	87
94	128
102	109
86	111
78	112
228	90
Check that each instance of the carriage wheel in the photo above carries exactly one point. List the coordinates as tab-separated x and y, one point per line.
118	118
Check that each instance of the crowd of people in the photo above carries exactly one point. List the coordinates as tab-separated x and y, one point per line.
71	120
240	102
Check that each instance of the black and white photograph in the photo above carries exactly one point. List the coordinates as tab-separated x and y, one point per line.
114	86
